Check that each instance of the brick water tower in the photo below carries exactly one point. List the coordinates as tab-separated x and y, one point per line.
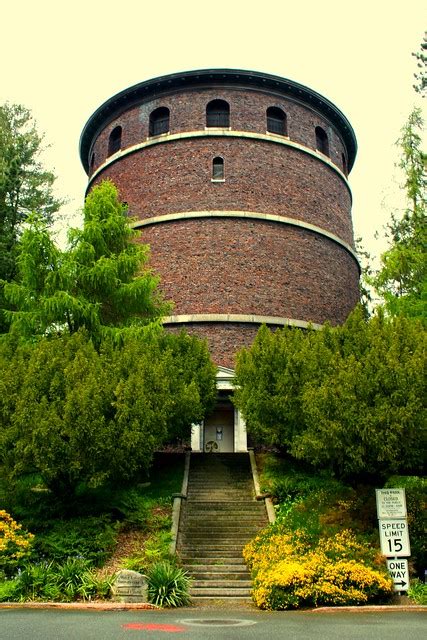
238	181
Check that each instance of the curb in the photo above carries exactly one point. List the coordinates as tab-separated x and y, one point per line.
129	606
80	606
375	607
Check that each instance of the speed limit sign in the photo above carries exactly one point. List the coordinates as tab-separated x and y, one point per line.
394	538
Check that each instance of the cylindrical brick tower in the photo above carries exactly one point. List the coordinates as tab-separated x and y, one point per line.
238	180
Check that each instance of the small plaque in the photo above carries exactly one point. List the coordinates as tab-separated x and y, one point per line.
130	586
391	503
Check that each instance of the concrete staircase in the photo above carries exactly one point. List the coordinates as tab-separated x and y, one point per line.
219	516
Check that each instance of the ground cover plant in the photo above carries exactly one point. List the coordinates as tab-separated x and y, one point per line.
74	550
323	548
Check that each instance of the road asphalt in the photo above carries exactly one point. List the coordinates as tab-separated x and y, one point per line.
115	621
210	623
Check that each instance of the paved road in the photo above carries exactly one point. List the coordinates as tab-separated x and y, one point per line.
24	624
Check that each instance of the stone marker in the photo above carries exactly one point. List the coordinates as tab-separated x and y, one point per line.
130	586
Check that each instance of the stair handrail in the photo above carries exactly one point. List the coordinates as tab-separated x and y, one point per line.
271	514
177	502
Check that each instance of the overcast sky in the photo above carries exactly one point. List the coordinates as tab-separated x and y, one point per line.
63	59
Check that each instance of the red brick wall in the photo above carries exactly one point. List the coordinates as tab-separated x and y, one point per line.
234	265
247	113
224	340
252	267
259	176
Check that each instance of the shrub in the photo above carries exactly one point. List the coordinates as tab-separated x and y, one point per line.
418	592
9	591
15	544
71	580
290	572
92	538
168	585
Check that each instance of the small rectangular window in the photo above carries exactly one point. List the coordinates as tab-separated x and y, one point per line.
218	169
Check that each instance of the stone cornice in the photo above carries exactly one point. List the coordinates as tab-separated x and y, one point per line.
215	133
239	318
208	78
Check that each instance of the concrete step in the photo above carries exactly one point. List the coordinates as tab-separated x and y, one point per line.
235	548
208	592
219	569
218	518
220	527
218	494
208	514
222	521
221	584
202	555
218	560
218	601
230	505
211	576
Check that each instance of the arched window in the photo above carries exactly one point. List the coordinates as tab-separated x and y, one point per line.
115	141
218	114
218	168
322	143
92	162
276	121
159	121
344	165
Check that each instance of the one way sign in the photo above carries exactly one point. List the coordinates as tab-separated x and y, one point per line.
398	569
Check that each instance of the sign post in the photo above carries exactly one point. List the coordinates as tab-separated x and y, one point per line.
394	535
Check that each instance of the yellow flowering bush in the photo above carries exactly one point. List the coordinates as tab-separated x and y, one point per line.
338	570
15	544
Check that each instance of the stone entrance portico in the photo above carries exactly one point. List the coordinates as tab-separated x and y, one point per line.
224	431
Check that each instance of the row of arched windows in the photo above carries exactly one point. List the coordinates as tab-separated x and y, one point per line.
218	115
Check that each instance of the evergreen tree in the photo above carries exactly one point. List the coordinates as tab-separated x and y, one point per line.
421	77
25	186
402	278
101	282
349	398
76	414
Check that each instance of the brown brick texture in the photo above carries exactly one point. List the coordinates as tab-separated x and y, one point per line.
235	265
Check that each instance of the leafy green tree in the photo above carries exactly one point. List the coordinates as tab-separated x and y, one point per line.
401	280
351	398
268	380
101	282
367	414
25	186
76	414
91	383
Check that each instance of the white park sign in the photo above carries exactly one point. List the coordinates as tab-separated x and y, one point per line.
391	503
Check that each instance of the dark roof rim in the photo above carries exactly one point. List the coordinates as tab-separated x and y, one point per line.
128	96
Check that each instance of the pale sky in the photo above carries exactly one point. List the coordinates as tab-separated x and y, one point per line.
62	60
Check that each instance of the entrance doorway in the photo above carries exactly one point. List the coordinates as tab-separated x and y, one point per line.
218	432
224	431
